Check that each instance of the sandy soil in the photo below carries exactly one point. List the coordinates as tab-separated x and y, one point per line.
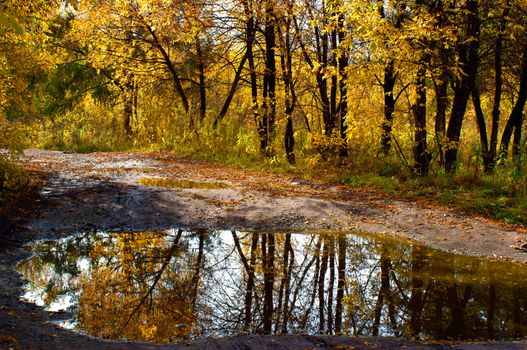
100	191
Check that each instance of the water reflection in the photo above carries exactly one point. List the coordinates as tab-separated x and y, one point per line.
177	183
175	285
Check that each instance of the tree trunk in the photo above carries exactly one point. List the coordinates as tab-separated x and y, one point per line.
468	57
171	68
202	85
342	108
421	162
482	128
516	117
290	96
230	94
490	160
266	127
389	107
441	87
128	110
441	91
516	145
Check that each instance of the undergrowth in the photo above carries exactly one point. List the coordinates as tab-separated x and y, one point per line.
496	196
12	176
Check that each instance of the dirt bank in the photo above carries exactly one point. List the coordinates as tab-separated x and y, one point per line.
102	191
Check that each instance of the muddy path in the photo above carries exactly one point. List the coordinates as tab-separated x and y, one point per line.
103	191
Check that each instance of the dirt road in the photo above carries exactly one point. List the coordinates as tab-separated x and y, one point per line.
103	191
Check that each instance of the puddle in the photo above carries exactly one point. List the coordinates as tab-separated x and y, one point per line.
174	285
173	183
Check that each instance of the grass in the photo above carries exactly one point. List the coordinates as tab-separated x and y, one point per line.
497	196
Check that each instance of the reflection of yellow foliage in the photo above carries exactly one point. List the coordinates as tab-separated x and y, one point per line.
122	297
148	331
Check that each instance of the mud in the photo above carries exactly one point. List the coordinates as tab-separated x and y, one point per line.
101	191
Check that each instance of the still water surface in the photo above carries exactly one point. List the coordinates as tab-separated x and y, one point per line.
173	285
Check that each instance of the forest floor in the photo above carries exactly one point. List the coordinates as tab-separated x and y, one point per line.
73	193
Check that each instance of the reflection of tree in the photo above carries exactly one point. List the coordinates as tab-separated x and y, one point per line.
341	282
249	269
268	259
54	267
284	292
417	298
385	294
173	285
157	277
142	287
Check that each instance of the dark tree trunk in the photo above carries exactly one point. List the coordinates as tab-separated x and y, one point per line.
421	162
490	160
136	98
250	35
516	145
389	107
289	139
441	91
489	152
266	127
128	113
516	117
321	44
170	66
290	96
468	57
329	118
441	87
334	79
128	110
482	127
232	90
248	55
342	108
202	85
